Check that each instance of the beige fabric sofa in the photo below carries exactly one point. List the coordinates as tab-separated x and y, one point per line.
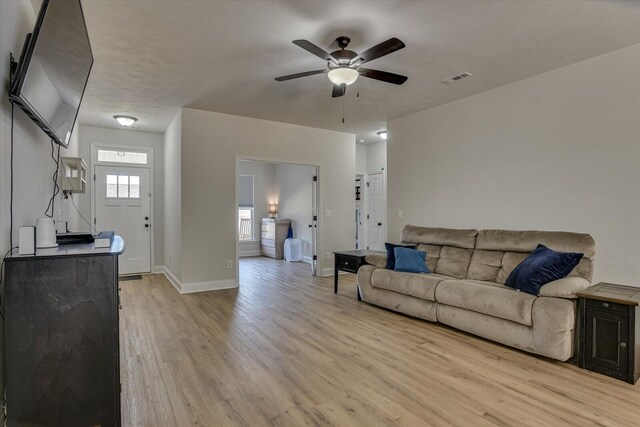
466	287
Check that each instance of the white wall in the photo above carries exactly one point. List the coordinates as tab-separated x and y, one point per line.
211	143
376	157
558	151
295	194
361	159
173	197
33	166
264	193
103	136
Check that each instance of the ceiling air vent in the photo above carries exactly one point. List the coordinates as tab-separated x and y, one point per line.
455	78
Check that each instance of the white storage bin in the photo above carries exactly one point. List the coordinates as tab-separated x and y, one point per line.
293	249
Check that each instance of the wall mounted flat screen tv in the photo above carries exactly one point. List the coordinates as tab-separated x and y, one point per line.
49	80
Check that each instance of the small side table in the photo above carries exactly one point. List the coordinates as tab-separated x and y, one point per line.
610	331
350	261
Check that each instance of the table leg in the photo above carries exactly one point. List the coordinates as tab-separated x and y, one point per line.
358	292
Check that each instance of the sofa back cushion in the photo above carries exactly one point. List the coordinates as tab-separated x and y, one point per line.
498	252
491	255
448	250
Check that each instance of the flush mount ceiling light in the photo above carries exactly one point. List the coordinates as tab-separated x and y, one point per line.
125	121
343	76
383	134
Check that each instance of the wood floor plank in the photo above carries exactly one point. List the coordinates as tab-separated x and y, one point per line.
284	350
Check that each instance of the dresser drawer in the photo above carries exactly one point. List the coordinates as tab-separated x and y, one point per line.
347	264
611	307
268	235
269	243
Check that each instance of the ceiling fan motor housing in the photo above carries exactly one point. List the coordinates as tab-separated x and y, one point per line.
343	56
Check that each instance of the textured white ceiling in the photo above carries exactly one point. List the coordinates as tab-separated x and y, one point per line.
153	56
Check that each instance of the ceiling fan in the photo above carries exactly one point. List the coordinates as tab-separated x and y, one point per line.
343	65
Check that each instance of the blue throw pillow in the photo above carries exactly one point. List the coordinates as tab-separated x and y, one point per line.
391	256
542	266
410	260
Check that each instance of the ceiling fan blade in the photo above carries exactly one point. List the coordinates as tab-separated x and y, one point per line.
338	90
384	76
378	50
319	52
298	75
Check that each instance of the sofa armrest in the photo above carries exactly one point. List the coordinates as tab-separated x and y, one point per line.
377	260
564	288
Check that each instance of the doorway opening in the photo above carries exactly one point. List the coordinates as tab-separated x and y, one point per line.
121	201
277	220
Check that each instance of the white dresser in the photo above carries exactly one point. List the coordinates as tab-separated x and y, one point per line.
273	233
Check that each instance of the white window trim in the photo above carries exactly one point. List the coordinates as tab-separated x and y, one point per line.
92	177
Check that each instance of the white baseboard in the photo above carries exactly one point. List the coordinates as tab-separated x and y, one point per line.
307	259
159	269
327	271
248	253
193	287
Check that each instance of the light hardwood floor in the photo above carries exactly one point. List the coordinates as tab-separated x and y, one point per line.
285	350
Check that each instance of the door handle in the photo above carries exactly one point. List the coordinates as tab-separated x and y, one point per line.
146	218
146	225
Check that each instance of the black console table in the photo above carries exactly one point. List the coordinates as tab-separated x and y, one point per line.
610	331
350	261
62	364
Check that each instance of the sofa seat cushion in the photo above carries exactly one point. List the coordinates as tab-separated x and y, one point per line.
492	299
416	285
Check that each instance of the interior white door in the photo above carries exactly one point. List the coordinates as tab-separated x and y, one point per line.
122	204
375	199
314	223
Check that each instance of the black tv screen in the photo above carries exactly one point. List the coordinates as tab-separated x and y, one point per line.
54	67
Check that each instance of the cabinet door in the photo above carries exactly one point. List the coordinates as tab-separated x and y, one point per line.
61	342
607	341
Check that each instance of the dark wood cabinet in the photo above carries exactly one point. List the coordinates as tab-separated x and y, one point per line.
609	331
62	337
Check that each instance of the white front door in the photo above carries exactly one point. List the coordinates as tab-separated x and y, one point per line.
375	199
122	205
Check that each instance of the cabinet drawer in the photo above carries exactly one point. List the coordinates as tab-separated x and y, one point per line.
268	235
270	252
348	264
611	307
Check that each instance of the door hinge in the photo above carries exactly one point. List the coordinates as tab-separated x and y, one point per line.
315	217
94	176
94	221
315	257
315	179
367	216
367	184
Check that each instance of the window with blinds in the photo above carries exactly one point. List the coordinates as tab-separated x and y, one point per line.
245	208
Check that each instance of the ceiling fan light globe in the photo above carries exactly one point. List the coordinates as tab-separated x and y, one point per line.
343	76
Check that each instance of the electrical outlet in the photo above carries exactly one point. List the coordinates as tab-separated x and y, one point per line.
399	213
327	256
229	264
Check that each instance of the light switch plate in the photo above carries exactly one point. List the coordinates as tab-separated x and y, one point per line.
328	213
399	213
